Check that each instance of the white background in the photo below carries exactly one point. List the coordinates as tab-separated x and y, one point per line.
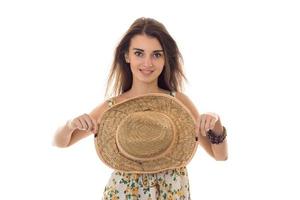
241	60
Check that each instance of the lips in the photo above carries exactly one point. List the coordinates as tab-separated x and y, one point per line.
146	71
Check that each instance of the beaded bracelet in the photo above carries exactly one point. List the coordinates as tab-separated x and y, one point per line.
215	138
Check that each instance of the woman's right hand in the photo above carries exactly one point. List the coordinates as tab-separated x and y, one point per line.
83	122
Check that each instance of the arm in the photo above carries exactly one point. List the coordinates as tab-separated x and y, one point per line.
63	135
66	136
217	151
220	150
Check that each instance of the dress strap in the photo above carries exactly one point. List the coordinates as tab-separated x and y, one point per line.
111	101
173	93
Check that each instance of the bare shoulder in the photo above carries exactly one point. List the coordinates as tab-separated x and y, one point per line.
98	111
188	103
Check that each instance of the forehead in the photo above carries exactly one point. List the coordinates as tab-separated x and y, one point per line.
145	42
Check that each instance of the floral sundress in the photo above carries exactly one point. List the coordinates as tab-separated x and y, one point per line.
172	184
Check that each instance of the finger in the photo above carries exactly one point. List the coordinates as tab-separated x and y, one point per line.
95	127
207	125
71	124
83	124
88	121
77	124
212	124
197	126
202	125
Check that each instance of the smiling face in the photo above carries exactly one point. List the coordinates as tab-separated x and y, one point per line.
146	59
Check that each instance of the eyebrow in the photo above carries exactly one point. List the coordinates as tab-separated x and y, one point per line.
155	51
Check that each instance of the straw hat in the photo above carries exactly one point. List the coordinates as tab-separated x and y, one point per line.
146	134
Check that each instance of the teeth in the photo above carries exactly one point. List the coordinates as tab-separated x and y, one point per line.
146	71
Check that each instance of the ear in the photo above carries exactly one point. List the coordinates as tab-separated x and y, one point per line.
126	58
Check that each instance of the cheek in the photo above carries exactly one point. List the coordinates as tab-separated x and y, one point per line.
159	63
134	66
135	62
159	69
161	66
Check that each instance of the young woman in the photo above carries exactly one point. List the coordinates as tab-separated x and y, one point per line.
147	60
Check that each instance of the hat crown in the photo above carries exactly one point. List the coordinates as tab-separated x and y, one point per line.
145	135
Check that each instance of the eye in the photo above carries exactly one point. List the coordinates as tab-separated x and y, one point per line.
138	53
157	55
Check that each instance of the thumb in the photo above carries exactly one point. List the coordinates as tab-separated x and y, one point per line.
197	126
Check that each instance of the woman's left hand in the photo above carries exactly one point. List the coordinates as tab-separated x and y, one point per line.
208	121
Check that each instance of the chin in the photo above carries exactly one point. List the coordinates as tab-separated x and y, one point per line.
146	80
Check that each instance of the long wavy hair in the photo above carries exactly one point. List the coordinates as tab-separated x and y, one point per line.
171	78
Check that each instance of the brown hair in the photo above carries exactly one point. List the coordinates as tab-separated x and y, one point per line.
172	75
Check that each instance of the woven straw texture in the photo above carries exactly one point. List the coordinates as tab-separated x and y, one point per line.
146	134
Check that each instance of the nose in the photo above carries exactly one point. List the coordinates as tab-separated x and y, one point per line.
147	62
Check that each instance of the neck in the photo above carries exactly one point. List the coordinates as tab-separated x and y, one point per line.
144	88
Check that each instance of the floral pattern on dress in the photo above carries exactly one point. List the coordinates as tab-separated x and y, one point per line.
166	185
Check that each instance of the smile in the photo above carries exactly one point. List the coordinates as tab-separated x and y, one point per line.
146	71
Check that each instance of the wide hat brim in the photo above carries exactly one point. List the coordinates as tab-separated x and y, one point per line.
179	155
